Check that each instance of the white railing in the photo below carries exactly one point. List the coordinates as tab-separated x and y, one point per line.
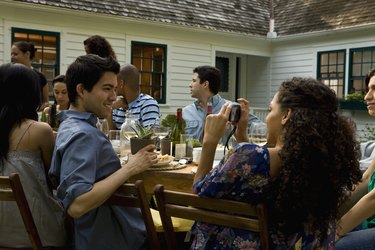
261	113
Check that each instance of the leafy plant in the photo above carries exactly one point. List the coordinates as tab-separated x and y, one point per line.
356	96
143	132
170	121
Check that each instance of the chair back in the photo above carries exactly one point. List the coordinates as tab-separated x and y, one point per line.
11	190
216	211
134	195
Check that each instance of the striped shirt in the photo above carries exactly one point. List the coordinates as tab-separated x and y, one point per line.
144	108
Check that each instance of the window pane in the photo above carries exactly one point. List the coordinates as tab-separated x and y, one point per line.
341	58
324	69
356	71
365	68
357	85
357	57
367	56
332	58
324	59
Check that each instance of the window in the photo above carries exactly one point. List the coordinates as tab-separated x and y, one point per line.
331	70
47	58
150	59
361	61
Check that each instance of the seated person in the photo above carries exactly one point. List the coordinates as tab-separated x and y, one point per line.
85	168
364	209
60	94
303	179
204	87
143	107
26	149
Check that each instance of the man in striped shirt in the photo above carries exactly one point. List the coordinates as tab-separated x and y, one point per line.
144	107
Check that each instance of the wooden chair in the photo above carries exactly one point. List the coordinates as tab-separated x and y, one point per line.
11	190
134	195
227	213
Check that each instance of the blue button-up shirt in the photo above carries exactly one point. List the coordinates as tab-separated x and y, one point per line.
194	116
83	156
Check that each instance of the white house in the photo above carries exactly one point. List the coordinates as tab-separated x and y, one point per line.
256	43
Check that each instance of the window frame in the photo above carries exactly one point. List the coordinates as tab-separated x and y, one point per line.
42	66
164	66
319	73
351	78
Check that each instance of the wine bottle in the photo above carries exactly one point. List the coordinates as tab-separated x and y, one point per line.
177	131
43	118
52	119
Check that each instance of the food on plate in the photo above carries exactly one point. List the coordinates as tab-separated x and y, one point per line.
165	157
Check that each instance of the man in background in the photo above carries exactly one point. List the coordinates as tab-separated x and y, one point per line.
143	107
204	86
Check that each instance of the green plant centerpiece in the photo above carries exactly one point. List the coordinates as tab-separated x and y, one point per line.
144	136
170	121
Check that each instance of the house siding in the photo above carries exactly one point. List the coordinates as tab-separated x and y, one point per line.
299	58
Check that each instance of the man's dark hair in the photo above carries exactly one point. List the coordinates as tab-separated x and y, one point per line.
88	70
210	74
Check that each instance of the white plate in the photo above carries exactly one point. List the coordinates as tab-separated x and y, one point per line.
163	163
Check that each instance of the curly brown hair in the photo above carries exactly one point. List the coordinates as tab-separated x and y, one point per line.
98	45
319	157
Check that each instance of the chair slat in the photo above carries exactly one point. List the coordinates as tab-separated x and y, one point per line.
234	207
216	211
12	190
134	195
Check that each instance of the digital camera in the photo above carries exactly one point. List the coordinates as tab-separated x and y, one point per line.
235	113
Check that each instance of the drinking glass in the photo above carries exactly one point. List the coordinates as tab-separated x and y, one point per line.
102	125
161	132
114	137
258	133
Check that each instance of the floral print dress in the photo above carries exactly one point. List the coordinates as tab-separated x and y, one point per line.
241	176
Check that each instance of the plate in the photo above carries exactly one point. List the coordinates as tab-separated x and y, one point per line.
163	163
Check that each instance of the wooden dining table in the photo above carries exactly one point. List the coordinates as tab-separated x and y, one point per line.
177	180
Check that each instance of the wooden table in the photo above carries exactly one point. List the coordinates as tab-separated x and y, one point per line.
177	180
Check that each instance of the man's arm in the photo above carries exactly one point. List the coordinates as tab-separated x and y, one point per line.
103	189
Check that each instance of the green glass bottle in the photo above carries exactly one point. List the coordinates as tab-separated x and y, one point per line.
177	130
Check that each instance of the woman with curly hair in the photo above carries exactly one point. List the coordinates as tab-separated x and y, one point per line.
98	45
303	179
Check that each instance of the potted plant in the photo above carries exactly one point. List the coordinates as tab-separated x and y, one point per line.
144	136
353	101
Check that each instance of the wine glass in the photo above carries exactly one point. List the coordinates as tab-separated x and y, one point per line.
161	132
102	125
258	133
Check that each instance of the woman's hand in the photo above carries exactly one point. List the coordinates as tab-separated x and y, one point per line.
241	133
216	125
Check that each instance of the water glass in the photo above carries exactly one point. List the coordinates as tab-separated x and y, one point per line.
258	133
114	138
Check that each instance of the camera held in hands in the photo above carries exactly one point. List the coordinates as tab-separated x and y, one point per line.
235	113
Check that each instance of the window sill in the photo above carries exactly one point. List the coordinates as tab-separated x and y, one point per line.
352	105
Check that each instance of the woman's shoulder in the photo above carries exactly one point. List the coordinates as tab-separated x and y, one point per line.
41	130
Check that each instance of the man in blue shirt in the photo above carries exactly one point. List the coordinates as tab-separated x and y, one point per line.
204	87
86	169
143	107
